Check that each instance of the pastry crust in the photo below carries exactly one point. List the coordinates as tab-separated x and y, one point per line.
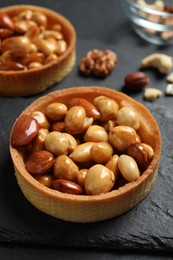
84	208
29	82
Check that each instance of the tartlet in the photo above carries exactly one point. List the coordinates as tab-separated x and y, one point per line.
29	82
85	208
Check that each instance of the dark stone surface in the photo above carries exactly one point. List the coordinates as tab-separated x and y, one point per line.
147	227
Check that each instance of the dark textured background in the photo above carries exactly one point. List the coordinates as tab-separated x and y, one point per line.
147	230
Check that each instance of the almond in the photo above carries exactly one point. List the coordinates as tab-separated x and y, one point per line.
67	186
39	162
24	130
91	110
136	81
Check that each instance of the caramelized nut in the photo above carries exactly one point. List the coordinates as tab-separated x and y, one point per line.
90	109
56	111
140	154
127	116
98	180
121	137
75	119
112	165
39	162
81	177
67	186
107	107
101	152
41	119
19	45
24	131
95	133
81	153
45	179
128	168
57	143
65	168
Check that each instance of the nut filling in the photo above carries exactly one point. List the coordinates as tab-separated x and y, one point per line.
29	41
94	148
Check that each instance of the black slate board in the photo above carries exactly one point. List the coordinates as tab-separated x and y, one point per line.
150	224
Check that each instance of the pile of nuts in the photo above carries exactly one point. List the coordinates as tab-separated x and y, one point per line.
98	63
83	147
28	42
160	6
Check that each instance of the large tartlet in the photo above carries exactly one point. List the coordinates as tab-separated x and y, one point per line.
85	208
29	82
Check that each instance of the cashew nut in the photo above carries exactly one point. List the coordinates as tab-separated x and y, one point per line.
159	61
169	89
152	93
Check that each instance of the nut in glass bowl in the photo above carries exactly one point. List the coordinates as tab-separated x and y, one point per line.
152	20
37	49
96	160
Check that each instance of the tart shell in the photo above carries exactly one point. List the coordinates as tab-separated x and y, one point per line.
29	82
84	208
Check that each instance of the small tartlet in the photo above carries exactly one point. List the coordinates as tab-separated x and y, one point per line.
30	82
85	208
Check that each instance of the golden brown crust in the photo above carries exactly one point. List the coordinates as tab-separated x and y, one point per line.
29	82
98	207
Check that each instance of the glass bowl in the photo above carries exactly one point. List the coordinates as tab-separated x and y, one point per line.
152	20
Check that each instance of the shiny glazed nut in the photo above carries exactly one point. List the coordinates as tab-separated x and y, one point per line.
112	165
56	111
23	26
38	143
65	168
39	162
25	15
140	154
56	143
19	45
34	65
45	46
67	186
101	152
24	131
128	168
6	21
4	33
33	57
107	107
81	177
149	149
41	119
39	18
121	137
72	142
50	58
75	119
127	116
61	47
90	109
58	126
95	133
98	180
12	65
81	153
45	179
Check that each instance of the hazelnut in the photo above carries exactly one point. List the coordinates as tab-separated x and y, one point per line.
136	81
